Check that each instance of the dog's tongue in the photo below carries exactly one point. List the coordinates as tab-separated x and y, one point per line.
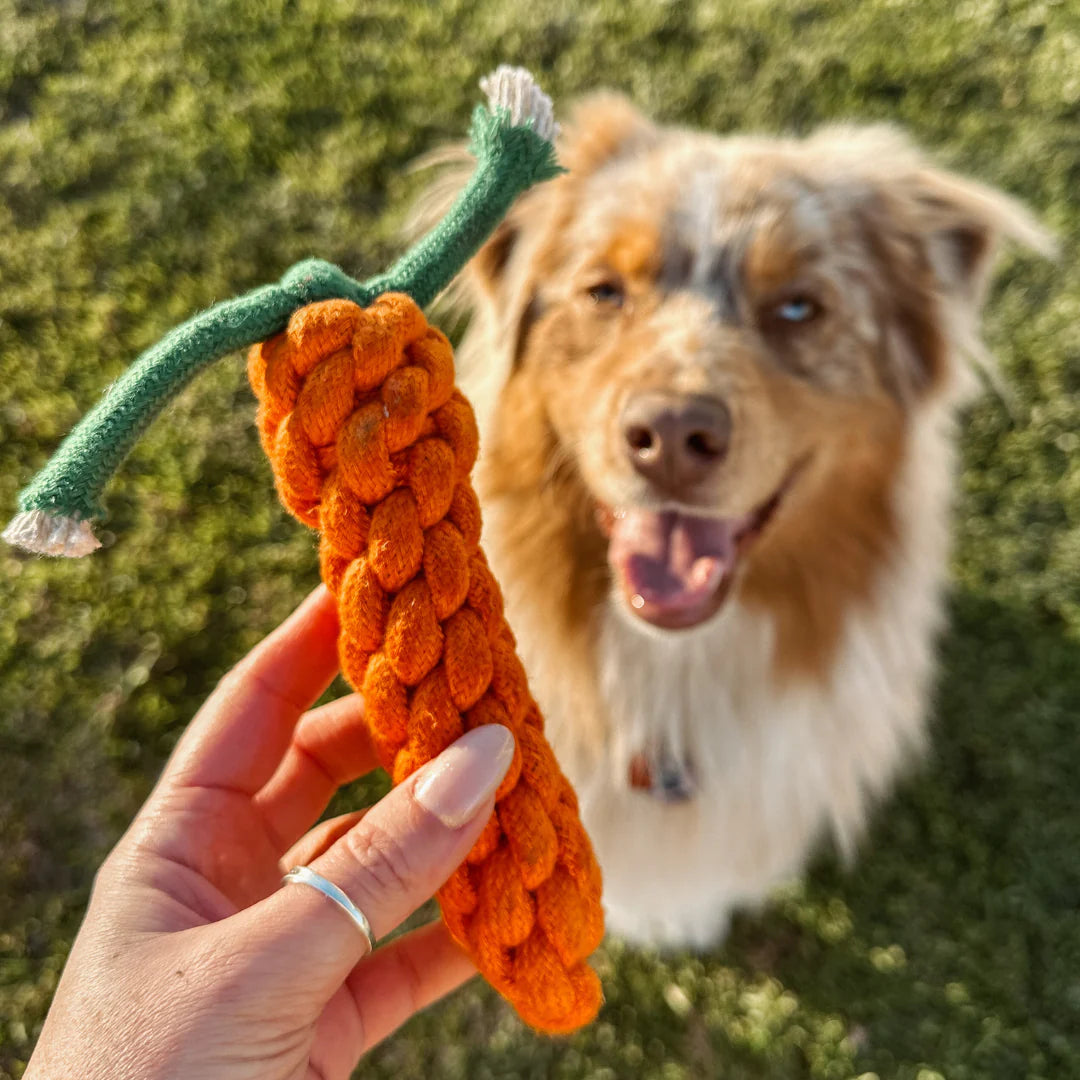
674	568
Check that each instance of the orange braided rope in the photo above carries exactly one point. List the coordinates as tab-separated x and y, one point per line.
372	445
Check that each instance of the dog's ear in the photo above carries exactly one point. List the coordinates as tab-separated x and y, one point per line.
482	284
500	282
602	128
933	236
962	223
489	263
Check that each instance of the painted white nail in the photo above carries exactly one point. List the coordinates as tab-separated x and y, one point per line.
457	783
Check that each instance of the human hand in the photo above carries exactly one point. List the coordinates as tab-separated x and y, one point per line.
192	962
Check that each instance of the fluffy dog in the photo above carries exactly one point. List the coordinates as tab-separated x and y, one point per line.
716	379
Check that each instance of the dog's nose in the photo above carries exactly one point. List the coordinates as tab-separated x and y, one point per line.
676	440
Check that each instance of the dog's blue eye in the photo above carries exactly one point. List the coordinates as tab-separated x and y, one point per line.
800	309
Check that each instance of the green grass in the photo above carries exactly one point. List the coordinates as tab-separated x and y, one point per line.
157	157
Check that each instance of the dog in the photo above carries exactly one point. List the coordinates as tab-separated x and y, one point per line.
717	380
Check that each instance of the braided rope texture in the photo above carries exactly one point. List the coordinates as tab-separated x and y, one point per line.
372	445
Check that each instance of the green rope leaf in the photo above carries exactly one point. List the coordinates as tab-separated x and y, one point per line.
68	490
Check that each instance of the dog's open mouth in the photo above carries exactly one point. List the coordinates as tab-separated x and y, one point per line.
676	568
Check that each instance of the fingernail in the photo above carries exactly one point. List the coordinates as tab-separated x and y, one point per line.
466	774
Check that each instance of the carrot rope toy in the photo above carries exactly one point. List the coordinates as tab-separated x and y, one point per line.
372	445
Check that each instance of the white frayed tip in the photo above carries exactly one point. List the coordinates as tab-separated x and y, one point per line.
514	89
49	534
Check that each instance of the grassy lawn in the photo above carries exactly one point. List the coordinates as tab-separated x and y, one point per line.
155	157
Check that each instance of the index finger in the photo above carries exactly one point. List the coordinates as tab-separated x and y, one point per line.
241	733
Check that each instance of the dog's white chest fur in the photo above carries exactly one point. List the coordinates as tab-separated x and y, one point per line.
776	766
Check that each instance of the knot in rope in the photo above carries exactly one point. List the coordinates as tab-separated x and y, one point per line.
372	445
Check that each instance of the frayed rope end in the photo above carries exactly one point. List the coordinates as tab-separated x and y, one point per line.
515	90
49	534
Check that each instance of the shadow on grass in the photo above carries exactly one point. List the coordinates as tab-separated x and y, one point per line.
954	942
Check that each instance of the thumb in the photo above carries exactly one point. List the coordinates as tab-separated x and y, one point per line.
388	864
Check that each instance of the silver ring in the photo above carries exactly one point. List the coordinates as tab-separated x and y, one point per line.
303	875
